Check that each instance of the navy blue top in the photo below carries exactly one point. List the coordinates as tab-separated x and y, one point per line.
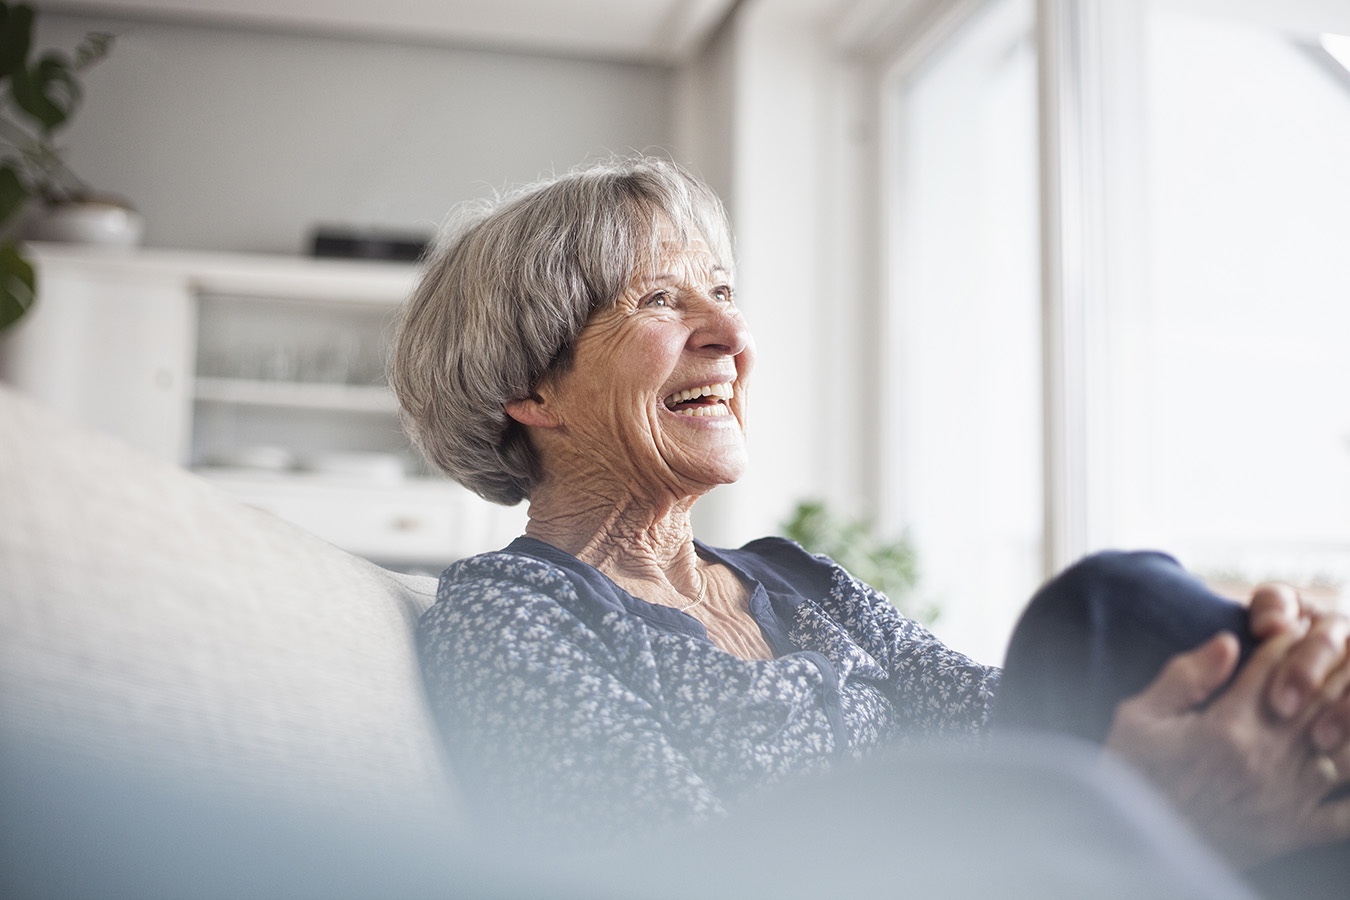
567	702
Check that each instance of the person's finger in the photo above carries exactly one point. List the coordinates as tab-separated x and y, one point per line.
1330	730
1189	679
1313	657
1274	608
1244	698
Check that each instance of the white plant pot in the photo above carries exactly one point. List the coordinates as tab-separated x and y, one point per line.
102	222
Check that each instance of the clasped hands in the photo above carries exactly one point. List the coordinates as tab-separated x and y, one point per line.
1259	761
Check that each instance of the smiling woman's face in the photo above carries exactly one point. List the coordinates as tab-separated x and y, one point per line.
655	394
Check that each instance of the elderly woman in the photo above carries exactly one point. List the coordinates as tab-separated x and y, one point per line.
577	344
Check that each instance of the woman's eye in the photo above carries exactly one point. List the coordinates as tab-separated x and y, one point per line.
722	293
658	299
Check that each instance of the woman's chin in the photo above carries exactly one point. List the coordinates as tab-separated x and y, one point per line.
726	468
710	452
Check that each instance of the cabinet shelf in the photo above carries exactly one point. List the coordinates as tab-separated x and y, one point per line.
269	362
354	398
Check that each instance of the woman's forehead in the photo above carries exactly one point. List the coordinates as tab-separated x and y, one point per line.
678	262
669	235
672	252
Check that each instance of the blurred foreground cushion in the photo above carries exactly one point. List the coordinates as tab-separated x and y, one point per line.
151	624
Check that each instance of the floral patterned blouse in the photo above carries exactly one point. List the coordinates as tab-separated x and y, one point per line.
567	703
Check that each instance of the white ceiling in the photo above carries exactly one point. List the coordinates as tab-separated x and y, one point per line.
652	31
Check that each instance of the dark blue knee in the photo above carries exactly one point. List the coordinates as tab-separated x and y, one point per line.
1098	633
1111	583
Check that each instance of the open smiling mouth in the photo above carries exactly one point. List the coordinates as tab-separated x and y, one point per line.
709	400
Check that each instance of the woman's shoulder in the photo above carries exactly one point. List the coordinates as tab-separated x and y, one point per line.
501	583
525	582
502	566
779	559
497	602
780	548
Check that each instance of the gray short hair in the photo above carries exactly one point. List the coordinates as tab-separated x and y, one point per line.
505	293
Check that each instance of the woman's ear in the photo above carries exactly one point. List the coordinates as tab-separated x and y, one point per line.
532	411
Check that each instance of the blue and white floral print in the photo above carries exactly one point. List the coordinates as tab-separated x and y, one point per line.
568	703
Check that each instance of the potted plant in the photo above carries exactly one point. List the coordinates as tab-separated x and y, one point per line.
890	566
38	97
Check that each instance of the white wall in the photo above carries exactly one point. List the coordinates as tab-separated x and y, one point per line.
767	112
243	140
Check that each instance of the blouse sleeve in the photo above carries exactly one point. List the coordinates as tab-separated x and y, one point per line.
936	690
538	720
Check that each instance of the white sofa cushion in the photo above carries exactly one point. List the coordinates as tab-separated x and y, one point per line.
148	621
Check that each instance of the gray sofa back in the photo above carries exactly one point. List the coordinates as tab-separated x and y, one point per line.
148	623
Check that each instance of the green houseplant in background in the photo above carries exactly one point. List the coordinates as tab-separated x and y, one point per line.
38	97
888	565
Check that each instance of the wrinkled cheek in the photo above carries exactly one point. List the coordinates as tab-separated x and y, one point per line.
632	442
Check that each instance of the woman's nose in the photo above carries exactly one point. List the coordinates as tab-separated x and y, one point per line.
719	326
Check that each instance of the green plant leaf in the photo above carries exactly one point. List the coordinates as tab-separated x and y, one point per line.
48	91
16	37
13	194
890	566
18	284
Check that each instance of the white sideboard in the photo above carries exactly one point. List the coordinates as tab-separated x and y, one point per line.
262	373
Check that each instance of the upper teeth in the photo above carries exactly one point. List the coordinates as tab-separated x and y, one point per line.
721	391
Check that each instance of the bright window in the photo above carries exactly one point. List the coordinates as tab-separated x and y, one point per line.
965	360
1243	464
1210	356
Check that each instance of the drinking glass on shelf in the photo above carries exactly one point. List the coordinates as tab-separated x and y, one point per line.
280	362
334	360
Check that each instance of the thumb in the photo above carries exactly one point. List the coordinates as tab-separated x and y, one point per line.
1189	679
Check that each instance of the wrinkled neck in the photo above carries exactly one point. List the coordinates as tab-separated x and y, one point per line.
626	537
